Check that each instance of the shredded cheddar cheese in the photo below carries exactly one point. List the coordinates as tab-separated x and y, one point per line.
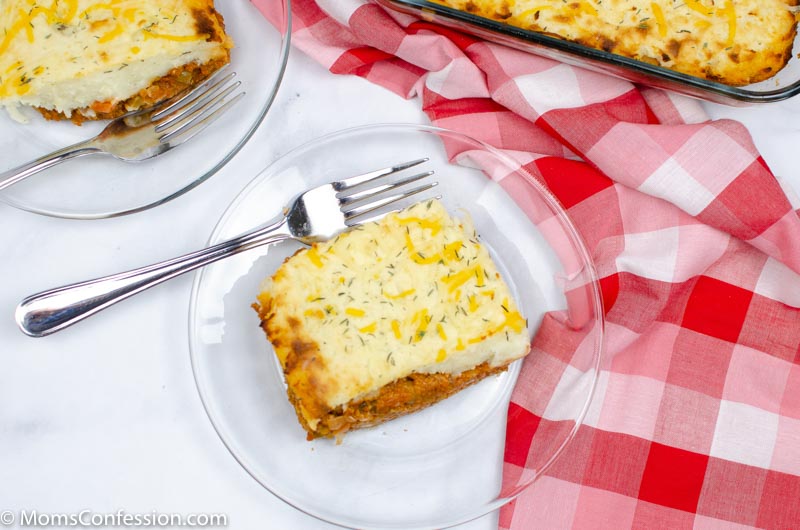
313	255
441	332
730	15
661	21
698	7
401	294
369	328
396	329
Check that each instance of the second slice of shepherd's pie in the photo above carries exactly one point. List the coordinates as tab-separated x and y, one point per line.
387	319
87	59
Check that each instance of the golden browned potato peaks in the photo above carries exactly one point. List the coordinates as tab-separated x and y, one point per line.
733	42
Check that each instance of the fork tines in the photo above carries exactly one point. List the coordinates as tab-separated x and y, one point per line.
371	196
197	109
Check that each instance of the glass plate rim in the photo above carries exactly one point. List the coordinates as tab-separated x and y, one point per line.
282	62
575	238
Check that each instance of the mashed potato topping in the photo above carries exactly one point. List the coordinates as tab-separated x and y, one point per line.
101	58
413	294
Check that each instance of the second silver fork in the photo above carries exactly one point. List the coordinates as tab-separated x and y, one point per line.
315	215
148	132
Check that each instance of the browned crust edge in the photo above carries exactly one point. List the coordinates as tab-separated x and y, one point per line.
302	364
176	81
403	396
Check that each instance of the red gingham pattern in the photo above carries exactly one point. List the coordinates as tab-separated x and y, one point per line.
696	419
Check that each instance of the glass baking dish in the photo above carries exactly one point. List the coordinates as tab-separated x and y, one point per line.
783	85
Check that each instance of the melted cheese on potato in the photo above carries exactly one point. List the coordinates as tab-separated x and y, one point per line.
413	293
64	55
734	42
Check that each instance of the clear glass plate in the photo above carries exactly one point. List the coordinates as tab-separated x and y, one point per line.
435	468
97	187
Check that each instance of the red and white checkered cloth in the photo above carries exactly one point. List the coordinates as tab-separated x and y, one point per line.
696	419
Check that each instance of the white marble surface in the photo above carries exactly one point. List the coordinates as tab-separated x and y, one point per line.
105	415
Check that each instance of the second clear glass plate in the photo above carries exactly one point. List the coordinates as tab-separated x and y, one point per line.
97	187
441	466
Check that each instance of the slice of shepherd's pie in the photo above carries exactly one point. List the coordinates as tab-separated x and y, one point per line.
85	60
387	319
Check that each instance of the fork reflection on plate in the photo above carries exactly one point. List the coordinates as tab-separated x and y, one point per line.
315	215
146	133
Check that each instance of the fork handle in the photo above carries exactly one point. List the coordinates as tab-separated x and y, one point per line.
53	310
12	176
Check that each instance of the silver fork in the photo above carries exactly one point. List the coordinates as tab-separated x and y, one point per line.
148	132
315	215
